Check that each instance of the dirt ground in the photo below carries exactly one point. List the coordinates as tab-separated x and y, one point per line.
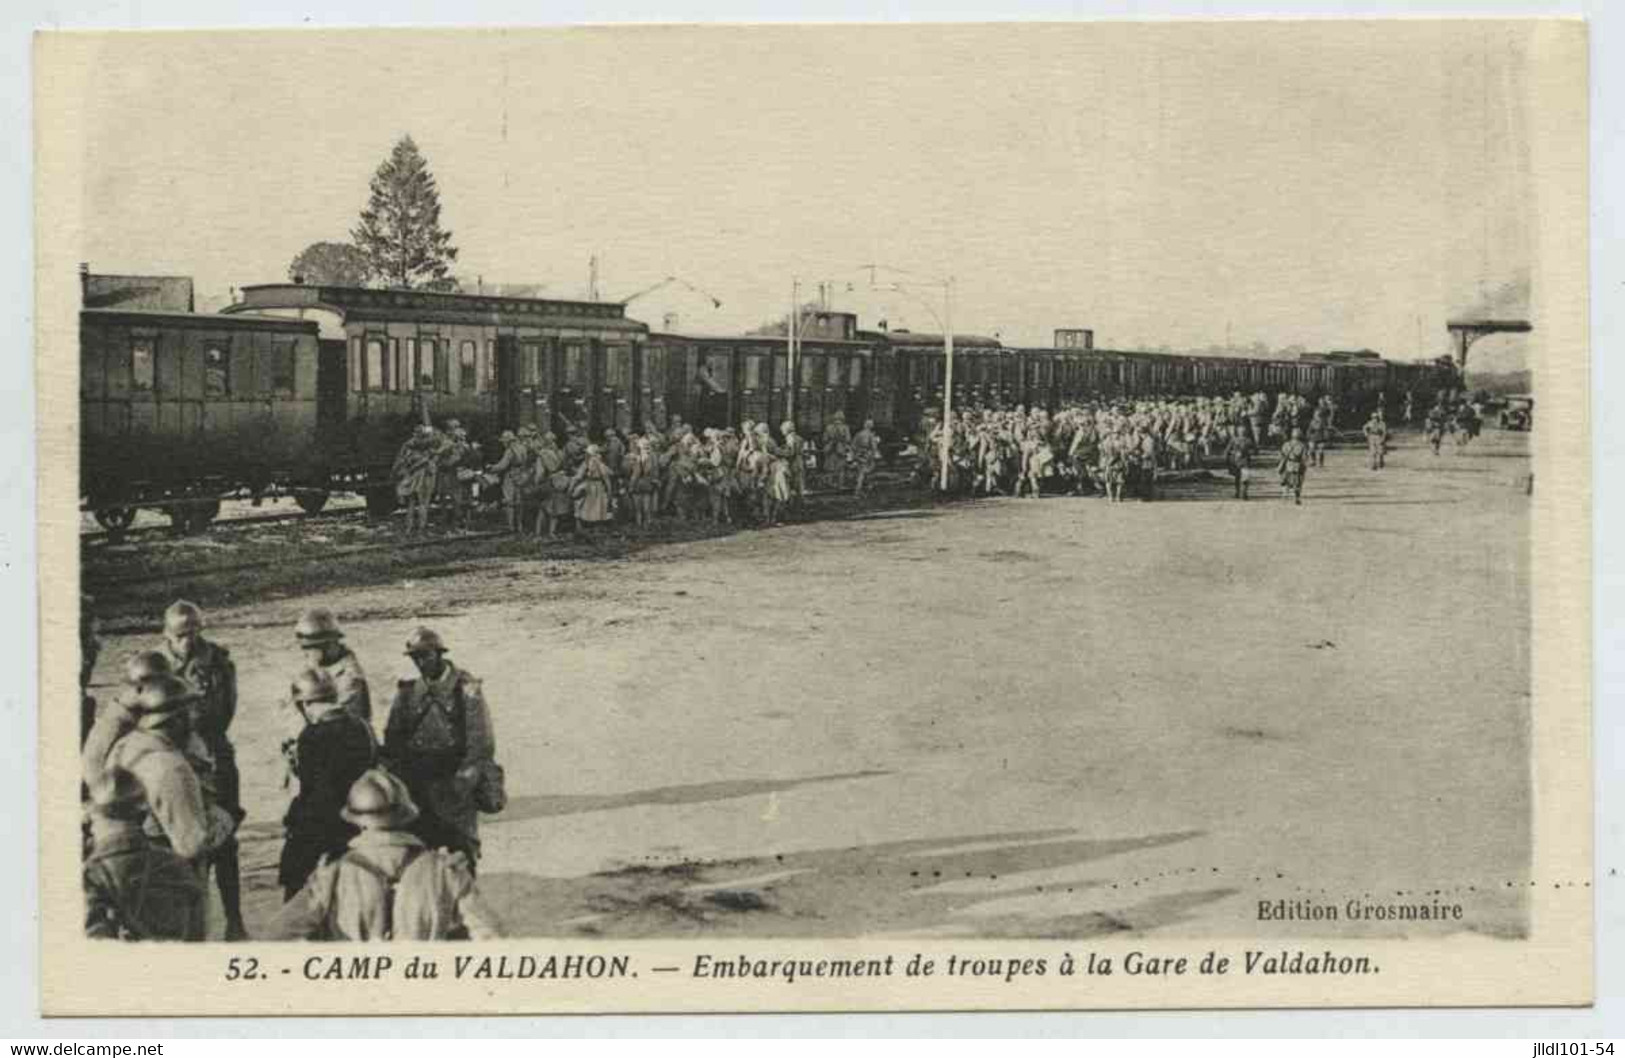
1054	718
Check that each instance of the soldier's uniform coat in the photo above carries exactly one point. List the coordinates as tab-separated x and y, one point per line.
436	739
388	886
135	884
334	750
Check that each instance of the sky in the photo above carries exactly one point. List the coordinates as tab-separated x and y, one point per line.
1334	185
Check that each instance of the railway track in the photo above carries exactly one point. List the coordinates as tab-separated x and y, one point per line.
97	583
227	524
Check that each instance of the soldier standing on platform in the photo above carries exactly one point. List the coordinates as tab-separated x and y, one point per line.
209	669
455	460
1292	466
837	446
1376	439
141	885
865	455
1320	435
415	473
331	753
506	472
1238	455
1434	427
795	456
439	741
387	885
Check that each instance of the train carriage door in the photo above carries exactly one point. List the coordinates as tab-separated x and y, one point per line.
753	387
617	386
572	382
810	396
652	405
510	387
715	388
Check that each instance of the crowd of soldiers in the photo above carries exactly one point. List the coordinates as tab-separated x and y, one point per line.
744	476
1119	448
380	837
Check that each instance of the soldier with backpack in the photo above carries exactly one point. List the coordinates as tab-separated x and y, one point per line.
438	740
387	885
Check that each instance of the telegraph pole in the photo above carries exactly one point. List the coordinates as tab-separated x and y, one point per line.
790	349
948	377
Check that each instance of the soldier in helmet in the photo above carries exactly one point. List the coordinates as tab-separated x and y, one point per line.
208	667
512	471
1293	464
1376	439
322	641
837	446
387	885
439	740
333	751
150	827
795	458
865	455
415	472
455	461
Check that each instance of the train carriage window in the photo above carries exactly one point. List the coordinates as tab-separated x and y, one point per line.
654	367
355	365
575	365
406	353
216	371
618	367
468	368
279	374
855	379
753	372
392	365
717	366
141	365
488	376
423	364
781	370
815	370
442	366
530	355
375	365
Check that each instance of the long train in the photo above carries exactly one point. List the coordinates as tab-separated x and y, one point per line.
310	389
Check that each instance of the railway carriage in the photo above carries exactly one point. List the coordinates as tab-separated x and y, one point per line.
179	408
393	358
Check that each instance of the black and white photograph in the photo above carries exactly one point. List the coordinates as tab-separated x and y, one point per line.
714	508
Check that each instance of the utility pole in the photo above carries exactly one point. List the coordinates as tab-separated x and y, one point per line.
948	377
592	278
790	349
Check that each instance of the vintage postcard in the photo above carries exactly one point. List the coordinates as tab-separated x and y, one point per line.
776	518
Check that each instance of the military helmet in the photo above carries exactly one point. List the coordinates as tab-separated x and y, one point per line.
378	800
454	424
146	665
507	437
160	698
182	616
425	640
313	685
318	626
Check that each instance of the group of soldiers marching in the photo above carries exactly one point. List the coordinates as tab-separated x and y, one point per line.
1119	448
744	476
1458	419
380	836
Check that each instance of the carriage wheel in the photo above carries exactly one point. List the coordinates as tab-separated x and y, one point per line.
311	501
115	519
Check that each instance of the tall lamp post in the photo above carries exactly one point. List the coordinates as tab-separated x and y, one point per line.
948	379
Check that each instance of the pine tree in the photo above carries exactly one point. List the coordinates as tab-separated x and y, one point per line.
399	233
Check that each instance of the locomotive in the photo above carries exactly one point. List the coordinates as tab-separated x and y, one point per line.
308	389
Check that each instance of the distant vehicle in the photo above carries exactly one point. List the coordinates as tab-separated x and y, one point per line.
1519	413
